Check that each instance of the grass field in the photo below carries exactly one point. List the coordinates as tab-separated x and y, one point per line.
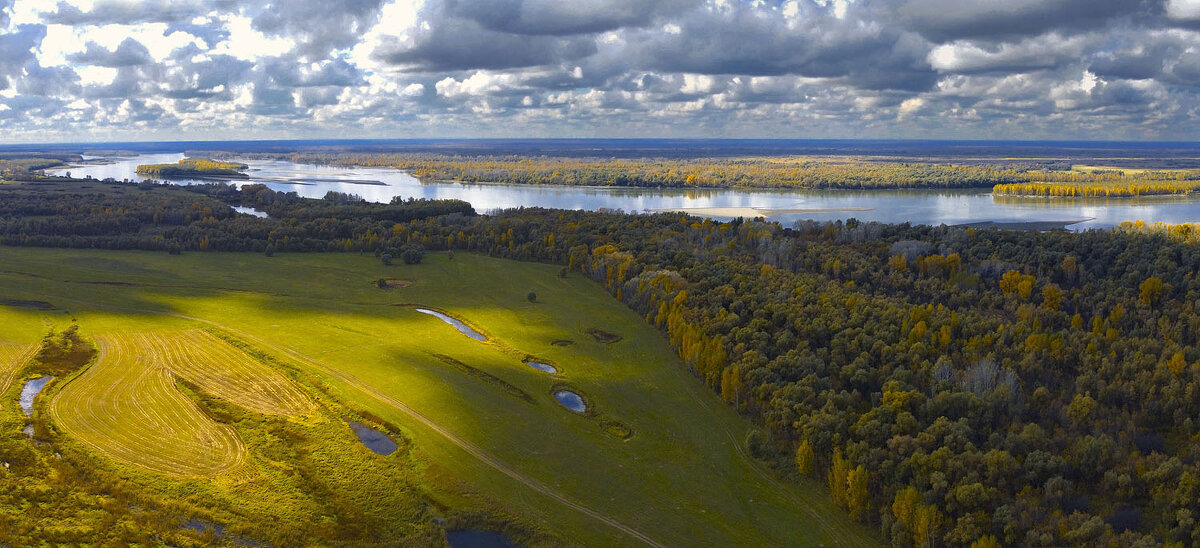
681	477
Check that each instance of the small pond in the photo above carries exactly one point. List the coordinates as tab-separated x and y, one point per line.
540	366
461	327
30	391
571	401
374	440
478	539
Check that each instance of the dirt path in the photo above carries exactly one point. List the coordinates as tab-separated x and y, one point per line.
463	444
351	380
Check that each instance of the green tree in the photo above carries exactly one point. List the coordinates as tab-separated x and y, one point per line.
839	471
804	458
857	497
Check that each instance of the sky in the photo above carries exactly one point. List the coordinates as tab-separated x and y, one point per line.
104	70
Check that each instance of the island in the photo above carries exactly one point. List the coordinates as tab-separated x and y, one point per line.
196	168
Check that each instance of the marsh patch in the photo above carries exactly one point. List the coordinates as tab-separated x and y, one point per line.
478	539
19	303
486	377
392	283
616	429
113	265
603	336
562	342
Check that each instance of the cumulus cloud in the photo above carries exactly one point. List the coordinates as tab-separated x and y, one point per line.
125	12
740	68
129	53
1187	10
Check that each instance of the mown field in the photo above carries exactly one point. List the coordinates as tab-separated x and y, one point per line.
305	341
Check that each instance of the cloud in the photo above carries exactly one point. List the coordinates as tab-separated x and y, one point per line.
124	12
1184	10
941	20
798	68
558	18
318	27
1042	52
129	53
457	44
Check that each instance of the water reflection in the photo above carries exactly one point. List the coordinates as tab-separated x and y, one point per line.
30	391
896	206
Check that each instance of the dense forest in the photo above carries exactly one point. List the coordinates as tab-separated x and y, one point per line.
194	167
951	386
1103	183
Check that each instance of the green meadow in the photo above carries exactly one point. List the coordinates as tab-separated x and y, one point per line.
656	460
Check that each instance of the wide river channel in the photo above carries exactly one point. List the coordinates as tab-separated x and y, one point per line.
894	206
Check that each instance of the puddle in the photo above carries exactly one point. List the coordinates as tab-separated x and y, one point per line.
374	440
30	391
461	327
200	526
571	401
540	366
478	539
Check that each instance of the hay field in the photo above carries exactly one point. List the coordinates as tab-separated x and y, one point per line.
12	358
127	407
230	374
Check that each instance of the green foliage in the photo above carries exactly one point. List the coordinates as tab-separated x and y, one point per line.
805	458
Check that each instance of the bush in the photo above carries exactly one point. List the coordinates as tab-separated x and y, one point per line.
412	254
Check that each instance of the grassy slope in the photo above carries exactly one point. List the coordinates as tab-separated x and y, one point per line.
681	478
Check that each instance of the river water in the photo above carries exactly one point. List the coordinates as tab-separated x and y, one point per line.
894	206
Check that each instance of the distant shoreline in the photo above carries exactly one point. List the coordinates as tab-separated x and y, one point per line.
754	211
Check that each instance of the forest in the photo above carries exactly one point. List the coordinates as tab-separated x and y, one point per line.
737	172
1091	183
194	167
950	386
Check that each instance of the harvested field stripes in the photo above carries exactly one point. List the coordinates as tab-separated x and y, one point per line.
230	374
12	358
127	406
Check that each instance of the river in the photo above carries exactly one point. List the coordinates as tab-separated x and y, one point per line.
894	206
